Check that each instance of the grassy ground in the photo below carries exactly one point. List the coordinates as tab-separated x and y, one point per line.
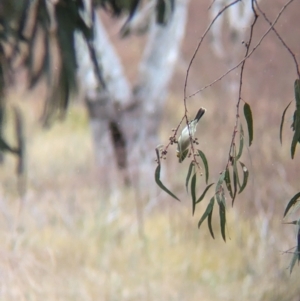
65	241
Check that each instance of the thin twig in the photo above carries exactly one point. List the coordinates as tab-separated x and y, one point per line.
281	39
245	58
241	83
199	44
189	67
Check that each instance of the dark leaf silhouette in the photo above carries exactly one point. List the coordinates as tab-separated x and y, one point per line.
249	120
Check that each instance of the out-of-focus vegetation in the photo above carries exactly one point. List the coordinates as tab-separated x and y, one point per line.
66	241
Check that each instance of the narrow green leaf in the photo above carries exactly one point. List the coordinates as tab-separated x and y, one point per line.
293	261
292	202
209	223
222	219
235	170
234	186
191	168
241	143
282	122
228	182
208	210
220	181
19	128
5	147
245	178
297	92
161	185
296	121
204	192
218	197
249	119
205	163
193	191
298	241
296	137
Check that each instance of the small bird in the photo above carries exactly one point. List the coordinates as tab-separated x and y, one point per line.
187	133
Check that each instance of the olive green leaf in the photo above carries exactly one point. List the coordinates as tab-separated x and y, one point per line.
208	210
241	143
201	197
19	128
298	241
297	93
236	173
249	120
293	261
228	182
235	180
204	192
220	181
205	163
193	191
5	147
191	169
222	214
209	223
246	175
296	121
282	122
296	254
291	203
296	137
161	185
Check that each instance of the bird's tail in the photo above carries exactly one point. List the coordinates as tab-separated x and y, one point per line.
200	114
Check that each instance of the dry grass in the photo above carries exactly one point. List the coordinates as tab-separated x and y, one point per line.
66	241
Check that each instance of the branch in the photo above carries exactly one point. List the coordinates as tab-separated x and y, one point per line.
245	58
199	44
281	39
241	83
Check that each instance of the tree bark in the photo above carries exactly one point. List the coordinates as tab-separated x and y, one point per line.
125	121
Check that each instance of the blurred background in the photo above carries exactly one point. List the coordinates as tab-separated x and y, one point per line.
65	240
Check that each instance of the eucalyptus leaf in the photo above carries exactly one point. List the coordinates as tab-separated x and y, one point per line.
298	241
222	214
291	203
296	136
241	142
228	182
296	121
245	178
204	193
19	128
193	191
297	93
205	163
220	181
161	185
293	262
191	169
234	186
249	120
235	171
282	122
208	210
209	218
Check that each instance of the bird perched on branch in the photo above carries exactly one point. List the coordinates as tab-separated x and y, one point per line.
186	135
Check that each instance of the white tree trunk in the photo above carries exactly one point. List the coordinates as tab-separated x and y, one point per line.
135	112
155	72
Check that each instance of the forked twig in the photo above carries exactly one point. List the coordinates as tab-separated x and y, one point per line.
245	58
